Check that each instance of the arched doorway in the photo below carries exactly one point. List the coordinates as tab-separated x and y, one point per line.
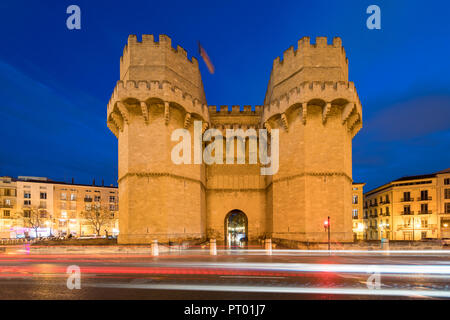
236	229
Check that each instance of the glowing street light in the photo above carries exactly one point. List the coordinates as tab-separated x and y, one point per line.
326	225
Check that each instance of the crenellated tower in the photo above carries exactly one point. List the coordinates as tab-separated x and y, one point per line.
318	112
159	90
308	98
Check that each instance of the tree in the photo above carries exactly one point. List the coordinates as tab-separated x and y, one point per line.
98	217
33	217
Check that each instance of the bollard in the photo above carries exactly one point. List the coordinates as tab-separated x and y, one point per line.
268	247
155	250
212	247
385	246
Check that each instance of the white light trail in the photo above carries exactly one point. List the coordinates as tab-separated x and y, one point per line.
298	290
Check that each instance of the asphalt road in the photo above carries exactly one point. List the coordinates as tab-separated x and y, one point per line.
237	274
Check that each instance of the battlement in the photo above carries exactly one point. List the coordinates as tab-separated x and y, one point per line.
158	61
234	110
317	61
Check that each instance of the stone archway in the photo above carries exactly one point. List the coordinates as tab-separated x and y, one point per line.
236	229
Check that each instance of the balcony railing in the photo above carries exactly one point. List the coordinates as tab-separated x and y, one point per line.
87	199
406	199
425	212
387	201
421	227
4	205
424	198
407	213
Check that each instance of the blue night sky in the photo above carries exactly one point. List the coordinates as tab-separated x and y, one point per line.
55	83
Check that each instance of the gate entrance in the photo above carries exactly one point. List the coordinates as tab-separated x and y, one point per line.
236	229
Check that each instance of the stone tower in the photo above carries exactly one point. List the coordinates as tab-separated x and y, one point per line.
309	99
318	112
159	90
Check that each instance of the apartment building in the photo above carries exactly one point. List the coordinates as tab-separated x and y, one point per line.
34	193
8	191
71	200
409	208
357	210
59	205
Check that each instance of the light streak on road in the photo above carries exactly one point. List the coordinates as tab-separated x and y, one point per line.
269	289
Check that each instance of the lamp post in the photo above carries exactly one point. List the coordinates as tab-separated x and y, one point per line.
326	225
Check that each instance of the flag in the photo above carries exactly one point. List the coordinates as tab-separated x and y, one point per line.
205	58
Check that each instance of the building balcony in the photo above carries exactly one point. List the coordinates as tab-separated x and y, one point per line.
87	199
424	198
406	199
416	228
425	212
3	205
406	213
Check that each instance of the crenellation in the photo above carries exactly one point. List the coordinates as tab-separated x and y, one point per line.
165	41
181	51
150	60
337	42
321	42
148	39
310	106
288	54
304	43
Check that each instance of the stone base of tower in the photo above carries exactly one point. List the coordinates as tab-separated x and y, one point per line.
162	238
314	237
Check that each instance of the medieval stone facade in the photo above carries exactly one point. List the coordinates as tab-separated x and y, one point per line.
308	99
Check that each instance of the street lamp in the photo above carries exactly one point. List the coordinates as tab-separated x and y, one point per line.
326	225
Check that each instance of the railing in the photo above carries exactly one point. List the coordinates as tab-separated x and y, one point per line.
87	199
3	205
406	213
425	212
410	226
424	198
406	199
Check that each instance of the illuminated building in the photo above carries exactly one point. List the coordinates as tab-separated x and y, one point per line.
309	101
357	211
59	205
8	191
409	208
